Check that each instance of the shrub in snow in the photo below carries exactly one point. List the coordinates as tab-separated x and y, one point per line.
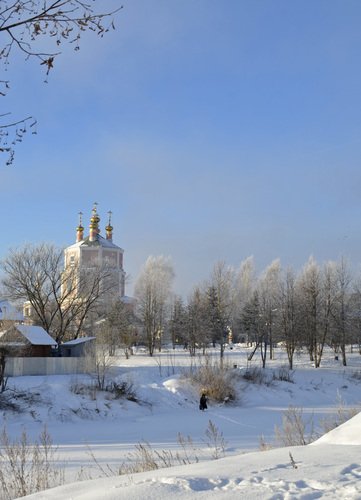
283	374
340	417
214	380
122	390
145	457
215	440
295	429
115	389
7	403
263	445
263	376
256	375
88	389
27	467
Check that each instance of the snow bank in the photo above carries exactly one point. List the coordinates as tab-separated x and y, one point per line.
348	433
322	471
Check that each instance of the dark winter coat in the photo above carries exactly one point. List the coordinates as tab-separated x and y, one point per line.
203	402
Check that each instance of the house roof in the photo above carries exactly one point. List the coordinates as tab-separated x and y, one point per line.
80	340
36	335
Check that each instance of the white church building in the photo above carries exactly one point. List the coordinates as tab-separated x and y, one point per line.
95	251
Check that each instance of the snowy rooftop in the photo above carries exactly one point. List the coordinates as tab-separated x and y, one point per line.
36	335
100	241
81	340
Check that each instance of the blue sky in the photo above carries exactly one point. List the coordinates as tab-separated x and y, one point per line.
213	131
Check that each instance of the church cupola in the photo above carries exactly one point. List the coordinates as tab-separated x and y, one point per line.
80	229
94	224
109	228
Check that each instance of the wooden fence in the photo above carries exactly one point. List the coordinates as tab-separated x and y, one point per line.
17	367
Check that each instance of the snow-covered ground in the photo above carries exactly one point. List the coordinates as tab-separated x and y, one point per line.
91	428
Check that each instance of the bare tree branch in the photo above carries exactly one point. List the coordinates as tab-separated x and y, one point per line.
61	301
23	24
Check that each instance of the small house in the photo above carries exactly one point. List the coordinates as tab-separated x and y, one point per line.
77	348
27	341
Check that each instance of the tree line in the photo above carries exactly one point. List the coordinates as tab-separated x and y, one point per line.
318	306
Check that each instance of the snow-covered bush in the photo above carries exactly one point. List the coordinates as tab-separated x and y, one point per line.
216	381
256	375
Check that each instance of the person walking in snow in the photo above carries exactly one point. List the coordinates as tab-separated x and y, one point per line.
203	402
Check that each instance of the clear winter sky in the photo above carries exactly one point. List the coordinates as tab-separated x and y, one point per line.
213	129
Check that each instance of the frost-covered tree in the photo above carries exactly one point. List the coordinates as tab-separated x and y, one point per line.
252	323
244	284
317	287
288	314
198	327
268	293
119	327
153	290
220	303
177	322
342	312
310	303
355	312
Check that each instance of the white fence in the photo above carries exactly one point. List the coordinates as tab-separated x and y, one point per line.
17	367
